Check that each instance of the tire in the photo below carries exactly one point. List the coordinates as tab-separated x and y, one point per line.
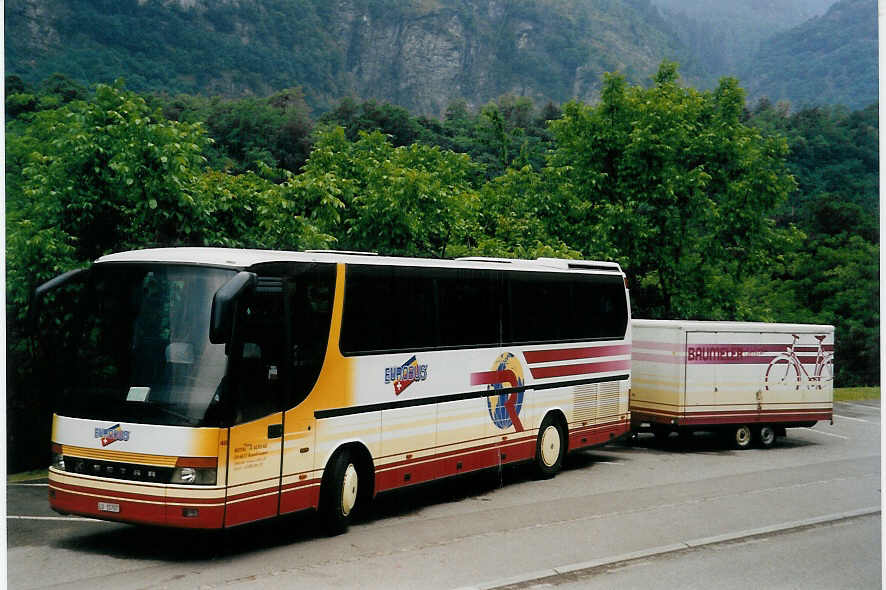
765	436
661	433
339	494
550	448
742	437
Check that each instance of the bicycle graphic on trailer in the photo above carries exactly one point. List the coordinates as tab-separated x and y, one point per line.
787	371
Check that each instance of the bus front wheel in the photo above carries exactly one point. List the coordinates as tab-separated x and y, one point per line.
339	493
550	448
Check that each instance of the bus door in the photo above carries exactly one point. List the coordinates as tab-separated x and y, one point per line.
258	375
309	294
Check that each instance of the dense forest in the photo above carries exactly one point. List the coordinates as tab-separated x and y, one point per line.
716	209
841	42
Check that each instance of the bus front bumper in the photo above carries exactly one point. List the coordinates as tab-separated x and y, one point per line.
160	505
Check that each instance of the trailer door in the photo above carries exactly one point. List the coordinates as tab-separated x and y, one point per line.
701	374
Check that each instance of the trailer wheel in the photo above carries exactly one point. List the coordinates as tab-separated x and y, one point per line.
742	437
765	436
550	448
661	433
339	493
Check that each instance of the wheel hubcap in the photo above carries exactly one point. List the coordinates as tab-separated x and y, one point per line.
349	490
767	435
742	436
550	446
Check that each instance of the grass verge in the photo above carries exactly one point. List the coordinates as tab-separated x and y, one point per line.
27	475
848	394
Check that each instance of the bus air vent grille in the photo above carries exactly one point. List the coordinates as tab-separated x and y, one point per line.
608	399
585	402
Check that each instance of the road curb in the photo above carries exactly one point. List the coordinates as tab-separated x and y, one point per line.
573	568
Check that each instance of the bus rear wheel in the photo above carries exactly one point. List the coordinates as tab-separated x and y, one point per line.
339	493
550	448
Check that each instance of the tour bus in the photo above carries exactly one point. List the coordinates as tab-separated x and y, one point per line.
216	387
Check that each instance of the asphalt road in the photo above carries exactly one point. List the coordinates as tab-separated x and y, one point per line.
688	514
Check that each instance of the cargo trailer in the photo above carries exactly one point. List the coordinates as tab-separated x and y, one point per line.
751	381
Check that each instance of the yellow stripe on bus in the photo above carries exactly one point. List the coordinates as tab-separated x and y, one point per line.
121	456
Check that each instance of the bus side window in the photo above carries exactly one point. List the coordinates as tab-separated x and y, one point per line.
258	359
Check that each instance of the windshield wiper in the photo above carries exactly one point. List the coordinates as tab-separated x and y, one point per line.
191	421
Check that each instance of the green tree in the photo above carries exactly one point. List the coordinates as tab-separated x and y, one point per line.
522	215
98	175
250	210
392	120
675	186
411	200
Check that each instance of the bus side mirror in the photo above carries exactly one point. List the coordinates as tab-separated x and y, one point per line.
223	306
39	292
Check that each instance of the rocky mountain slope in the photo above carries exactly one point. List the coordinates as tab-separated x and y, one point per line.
420	54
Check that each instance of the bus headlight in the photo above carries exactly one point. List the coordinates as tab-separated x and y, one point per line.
193	476
58	458
187	474
200	471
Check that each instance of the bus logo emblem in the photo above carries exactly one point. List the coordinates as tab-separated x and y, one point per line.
111	434
506	376
406	374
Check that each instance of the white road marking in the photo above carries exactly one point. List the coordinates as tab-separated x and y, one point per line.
35	485
865	406
854	419
72	518
827	433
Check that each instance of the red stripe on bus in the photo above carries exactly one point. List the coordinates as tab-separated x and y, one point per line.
251	510
404	473
597	435
305	498
109	493
70	503
569	354
135	496
486	446
209	517
580	369
494	377
267	490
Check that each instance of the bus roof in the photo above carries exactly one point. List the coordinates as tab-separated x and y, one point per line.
727	326
243	258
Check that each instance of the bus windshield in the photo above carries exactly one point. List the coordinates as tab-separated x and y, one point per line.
141	346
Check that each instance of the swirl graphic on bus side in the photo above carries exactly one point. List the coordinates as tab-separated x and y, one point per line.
506	374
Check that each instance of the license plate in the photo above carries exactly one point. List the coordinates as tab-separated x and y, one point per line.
108	507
